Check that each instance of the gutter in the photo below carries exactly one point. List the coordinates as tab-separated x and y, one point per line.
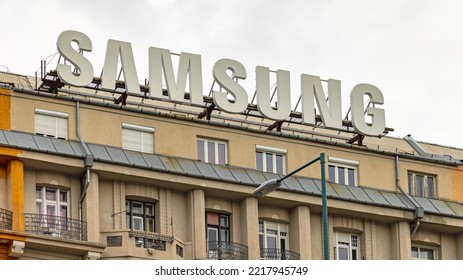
6	85
419	211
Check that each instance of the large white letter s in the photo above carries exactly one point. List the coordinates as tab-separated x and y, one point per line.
84	74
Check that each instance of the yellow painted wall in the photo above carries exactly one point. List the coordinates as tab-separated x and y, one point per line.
5	106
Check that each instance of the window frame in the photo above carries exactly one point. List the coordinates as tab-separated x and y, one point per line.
57	116
205	150
274	152
143	242
144	132
280	228
130	215
338	163
52	221
412	186
350	248
219	227
423	247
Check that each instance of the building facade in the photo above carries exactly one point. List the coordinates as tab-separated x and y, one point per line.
89	174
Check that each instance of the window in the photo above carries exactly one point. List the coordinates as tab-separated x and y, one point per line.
51	124
423	253
218	227
422	185
51	204
218	236
140	216
212	151
347	246
343	172
270	160
137	138
273	240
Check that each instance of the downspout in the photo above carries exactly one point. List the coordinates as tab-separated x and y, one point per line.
419	211
88	160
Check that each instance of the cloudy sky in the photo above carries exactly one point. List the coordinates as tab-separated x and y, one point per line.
412	50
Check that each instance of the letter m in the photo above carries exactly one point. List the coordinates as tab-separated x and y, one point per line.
189	65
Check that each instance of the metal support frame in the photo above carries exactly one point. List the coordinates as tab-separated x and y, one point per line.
276	125
52	84
357	138
207	112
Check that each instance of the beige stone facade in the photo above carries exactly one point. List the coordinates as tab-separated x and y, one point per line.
167	204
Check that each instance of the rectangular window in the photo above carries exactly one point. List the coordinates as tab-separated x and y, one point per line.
273	240
140	216
422	185
212	151
52	207
347	246
270	160
343	172
218	227
423	253
51	124
137	138
218	236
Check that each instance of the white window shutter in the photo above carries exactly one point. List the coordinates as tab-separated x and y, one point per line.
131	139
137	138
51	123
45	125
147	142
61	128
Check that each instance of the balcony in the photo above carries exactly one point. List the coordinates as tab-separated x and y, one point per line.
55	226
278	254
226	251
146	239
6	218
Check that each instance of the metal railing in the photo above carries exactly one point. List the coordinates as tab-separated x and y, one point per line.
55	226
226	251
6	219
278	254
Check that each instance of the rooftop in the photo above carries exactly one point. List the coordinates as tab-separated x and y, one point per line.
49	86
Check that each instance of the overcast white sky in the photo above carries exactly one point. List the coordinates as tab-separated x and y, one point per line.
412	50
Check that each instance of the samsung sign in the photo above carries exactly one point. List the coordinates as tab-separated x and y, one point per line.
189	67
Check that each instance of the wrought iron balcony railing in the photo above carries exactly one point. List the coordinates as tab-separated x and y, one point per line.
6	219
55	226
227	251
148	239
278	254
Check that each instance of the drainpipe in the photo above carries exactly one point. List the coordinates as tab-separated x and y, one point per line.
88	160
419	211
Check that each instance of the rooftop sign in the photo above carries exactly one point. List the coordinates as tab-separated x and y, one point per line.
189	68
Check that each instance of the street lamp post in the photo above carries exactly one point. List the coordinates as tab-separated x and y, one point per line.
271	185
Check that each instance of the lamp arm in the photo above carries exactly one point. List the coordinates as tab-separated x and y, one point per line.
297	170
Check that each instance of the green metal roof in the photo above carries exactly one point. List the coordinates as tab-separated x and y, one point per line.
226	173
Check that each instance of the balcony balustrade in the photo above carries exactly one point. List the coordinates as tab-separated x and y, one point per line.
55	226
6	219
226	251
278	254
